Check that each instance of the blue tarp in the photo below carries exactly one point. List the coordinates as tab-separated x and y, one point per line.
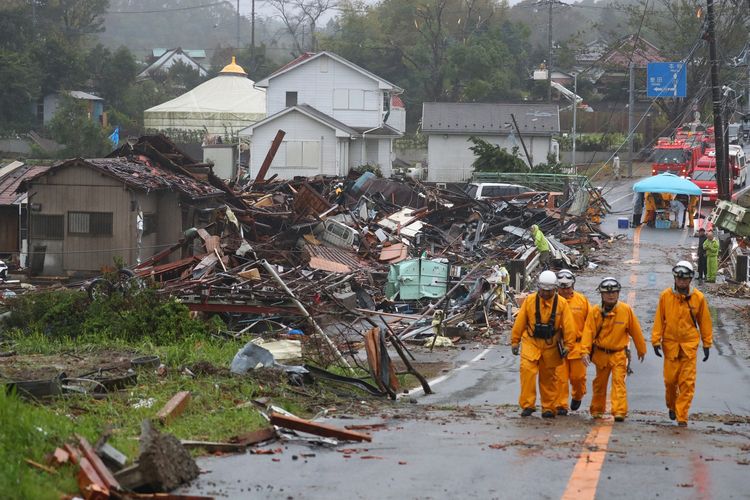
667	183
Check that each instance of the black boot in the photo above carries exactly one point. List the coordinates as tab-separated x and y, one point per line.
562	411
575	404
548	414
527	412
672	415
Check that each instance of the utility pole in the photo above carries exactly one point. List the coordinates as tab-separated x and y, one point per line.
631	116
575	110
549	56
252	32
238	25
722	173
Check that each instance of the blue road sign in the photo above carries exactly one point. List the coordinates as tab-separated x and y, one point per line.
666	79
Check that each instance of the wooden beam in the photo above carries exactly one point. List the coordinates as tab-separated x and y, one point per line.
174	407
311	427
90	483
213	447
88	452
259	179
254	437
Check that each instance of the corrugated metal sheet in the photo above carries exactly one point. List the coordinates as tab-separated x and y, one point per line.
332	259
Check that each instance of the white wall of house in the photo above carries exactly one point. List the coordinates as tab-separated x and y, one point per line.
309	148
397	119
449	158
331	87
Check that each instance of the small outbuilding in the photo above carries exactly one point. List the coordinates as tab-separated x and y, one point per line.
448	127
84	213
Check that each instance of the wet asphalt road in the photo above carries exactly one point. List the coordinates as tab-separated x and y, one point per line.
467	440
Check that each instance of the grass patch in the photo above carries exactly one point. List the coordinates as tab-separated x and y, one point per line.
29	431
54	333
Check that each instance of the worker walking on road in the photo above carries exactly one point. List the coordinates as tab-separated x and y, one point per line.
650	209
682	321
711	247
692	210
543	333
616	166
701	255
571	374
609	328
542	246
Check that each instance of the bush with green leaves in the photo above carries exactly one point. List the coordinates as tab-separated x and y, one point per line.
130	317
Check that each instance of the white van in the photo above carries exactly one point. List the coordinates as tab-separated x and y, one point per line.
484	190
738	161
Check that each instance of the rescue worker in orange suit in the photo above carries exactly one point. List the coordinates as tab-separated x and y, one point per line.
682	321
650	216
543	333
609	328
571	374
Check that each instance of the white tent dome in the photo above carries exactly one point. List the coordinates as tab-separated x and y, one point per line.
226	103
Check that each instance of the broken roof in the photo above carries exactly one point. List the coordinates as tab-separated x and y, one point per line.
10	181
138	172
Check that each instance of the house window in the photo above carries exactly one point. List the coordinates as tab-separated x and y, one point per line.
90	223
47	227
355	99
291	99
303	154
149	224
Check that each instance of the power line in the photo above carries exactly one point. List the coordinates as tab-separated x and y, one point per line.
175	9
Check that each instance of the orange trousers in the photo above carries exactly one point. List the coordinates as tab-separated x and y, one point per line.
679	381
571	379
650	216
545	371
614	364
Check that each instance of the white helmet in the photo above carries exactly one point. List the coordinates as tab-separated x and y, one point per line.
547	281
683	269
609	284
565	278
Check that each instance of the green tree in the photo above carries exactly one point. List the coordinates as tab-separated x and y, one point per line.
19	82
493	158
82	136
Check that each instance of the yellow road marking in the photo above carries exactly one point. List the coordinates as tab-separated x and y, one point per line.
585	476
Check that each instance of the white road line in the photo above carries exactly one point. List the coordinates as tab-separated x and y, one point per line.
612	203
445	377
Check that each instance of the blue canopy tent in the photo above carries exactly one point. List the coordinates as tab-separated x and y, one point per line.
669	183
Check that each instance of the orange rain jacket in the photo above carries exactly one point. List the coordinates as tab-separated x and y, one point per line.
675	328
523	328
612	332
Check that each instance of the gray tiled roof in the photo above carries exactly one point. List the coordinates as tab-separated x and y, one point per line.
489	118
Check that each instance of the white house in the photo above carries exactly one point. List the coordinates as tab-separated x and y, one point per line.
165	59
448	127
336	116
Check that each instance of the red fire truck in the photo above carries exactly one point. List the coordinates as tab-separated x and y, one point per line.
677	156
